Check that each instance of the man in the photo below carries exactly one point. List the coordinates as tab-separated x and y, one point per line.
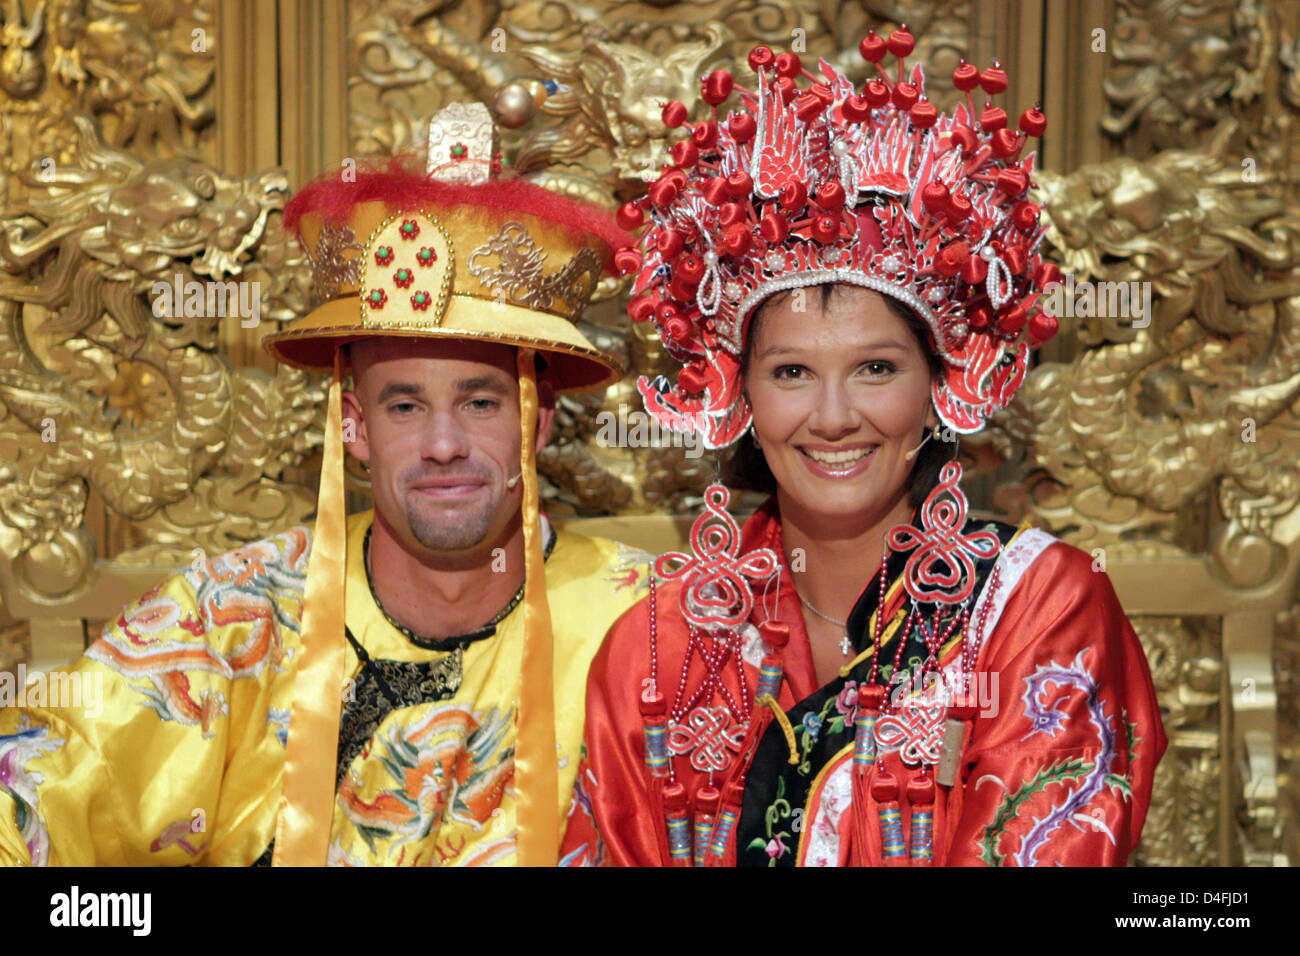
400	687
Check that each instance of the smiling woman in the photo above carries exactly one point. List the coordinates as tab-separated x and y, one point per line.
746	468
863	674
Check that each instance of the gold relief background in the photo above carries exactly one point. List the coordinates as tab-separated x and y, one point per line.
145	139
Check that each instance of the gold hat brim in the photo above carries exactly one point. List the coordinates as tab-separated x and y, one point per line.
310	343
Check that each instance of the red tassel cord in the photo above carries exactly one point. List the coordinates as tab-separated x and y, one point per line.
706	811
724	830
884	790
870	699
679	825
920	794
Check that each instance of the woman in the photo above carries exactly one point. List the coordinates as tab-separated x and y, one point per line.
863	675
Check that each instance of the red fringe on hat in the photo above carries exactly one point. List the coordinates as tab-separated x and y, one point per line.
393	183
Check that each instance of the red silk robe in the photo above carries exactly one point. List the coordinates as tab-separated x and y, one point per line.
1055	769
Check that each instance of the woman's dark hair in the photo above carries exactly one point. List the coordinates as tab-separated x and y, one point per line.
746	468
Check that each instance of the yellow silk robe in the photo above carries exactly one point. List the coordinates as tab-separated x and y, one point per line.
177	759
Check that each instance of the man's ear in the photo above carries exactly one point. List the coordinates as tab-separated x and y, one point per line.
545	410
354	428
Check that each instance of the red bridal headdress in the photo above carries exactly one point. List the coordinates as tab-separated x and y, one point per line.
872	187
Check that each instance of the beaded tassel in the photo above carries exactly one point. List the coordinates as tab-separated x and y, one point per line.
655	724
920	794
679	825
884	790
726	825
870	699
706	809
769	677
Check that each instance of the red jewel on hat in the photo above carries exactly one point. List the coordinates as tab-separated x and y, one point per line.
716	190
377	298
789	65
737	239
872	47
793	196
641	308
876	93
826	228
692	378
705	134
856	109
974	270
742	127
420	301
760	57
1041	327
459	152
403	278
664	192
1046	274
830	196
410	229
966	77
739	184
935	197
674	114
685	153
1013	320
774	228
965	137
979	317
993	80
669	243
807	107
630	216
993	117
951	258
716	87
901	43
1015	259
731	213
627	261
787	88
924	114
1012	182
905	94
959	207
690	267
426	256
1005	144
384	255
1033	122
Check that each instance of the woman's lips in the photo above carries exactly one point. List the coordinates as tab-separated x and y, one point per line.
838	463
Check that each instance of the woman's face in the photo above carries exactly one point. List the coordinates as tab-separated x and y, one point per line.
840	395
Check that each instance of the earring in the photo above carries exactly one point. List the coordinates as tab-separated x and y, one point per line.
754	435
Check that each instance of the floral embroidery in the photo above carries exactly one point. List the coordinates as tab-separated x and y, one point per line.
249	587
453	765
28	742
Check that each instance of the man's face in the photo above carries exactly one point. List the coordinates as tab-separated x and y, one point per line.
438	422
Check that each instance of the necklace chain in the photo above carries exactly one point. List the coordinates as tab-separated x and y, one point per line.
846	646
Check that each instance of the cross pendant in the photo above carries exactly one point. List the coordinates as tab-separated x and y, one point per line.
845	646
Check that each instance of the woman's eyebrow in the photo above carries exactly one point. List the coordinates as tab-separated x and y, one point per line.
794	349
